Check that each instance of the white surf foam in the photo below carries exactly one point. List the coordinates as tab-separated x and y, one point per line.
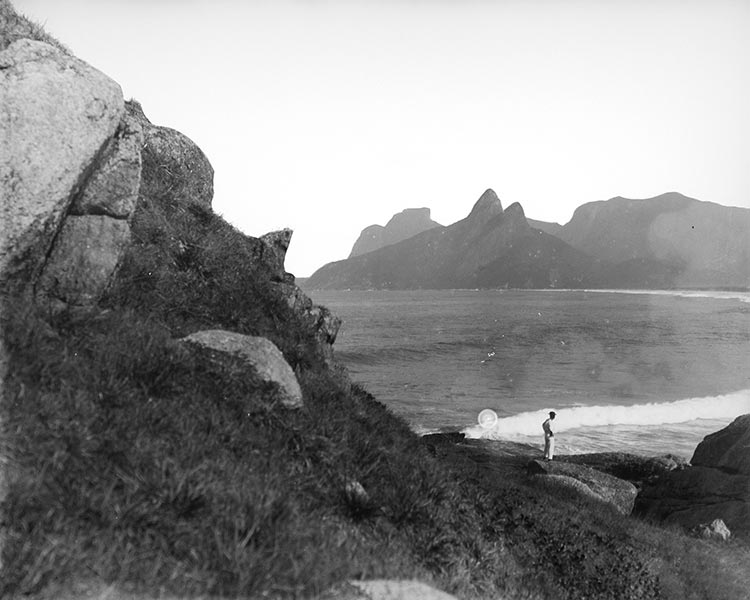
727	406
715	294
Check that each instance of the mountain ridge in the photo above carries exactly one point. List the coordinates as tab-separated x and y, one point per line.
452	256
667	241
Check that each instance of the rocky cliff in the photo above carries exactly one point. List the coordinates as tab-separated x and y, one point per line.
491	247
78	164
401	226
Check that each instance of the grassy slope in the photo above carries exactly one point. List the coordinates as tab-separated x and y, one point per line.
138	466
141	467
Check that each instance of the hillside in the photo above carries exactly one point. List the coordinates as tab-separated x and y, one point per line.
491	247
408	223
135	465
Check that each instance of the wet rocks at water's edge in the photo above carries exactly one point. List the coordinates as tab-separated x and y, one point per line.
709	497
717	486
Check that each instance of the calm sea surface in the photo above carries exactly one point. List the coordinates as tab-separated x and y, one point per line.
645	372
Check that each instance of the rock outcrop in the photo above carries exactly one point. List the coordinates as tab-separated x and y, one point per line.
402	226
276	243
728	449
75	160
587	481
112	190
182	172
715	530
634	468
241	354
716	487
58	117
84	259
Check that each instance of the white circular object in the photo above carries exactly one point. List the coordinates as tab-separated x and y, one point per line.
487	418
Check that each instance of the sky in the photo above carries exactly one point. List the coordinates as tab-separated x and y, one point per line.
326	116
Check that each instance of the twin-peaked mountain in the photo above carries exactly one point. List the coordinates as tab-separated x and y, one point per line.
663	242
491	247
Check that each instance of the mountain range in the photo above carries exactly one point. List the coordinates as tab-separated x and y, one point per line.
669	241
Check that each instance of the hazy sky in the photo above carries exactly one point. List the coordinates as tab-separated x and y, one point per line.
328	116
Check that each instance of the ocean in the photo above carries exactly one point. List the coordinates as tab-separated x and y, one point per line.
633	371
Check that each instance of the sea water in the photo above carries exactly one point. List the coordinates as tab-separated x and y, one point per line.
643	372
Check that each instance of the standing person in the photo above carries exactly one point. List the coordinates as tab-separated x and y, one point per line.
549	437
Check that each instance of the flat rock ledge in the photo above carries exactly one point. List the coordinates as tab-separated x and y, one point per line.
258	354
589	482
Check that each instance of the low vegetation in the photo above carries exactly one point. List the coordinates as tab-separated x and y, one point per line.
137	466
14	26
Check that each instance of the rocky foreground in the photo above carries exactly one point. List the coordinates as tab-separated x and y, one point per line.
714	485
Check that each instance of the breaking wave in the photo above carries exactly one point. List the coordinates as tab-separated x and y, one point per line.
726	406
715	294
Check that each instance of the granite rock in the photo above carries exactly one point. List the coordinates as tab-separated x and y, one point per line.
57	116
258	354
112	190
715	530
698	495
595	484
84	259
727	449
175	167
275	246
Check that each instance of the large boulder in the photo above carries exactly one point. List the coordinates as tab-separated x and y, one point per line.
57	116
717	486
727	449
587	481
698	495
226	349
173	165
